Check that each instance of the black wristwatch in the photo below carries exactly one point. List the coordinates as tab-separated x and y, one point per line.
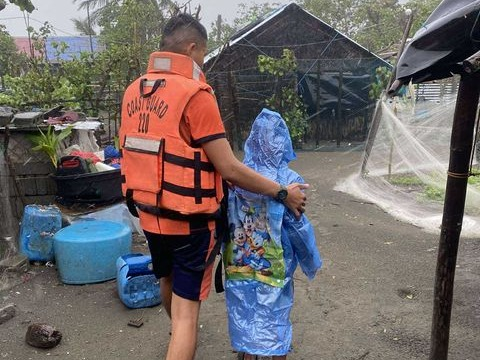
281	194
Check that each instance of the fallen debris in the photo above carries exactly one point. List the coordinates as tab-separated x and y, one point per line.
135	322
43	336
14	263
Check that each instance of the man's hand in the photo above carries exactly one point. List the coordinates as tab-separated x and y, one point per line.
296	199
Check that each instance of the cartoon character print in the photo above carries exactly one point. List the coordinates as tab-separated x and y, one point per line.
248	237
240	246
261	223
255	259
248	225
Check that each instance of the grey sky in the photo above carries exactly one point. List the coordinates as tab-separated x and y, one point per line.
60	12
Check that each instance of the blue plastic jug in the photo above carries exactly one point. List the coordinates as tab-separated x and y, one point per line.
39	225
136	284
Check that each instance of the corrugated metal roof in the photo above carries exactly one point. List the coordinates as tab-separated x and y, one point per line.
75	46
23	45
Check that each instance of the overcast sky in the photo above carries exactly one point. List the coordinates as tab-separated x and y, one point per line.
60	12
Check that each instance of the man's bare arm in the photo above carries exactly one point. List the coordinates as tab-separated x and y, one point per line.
232	170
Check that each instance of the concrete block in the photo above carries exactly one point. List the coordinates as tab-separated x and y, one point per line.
28	186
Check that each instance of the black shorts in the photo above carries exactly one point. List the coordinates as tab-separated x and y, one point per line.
184	257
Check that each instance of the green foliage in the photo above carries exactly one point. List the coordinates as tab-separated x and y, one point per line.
382	23
247	14
220	34
130	32
434	193
421	11
116	142
49	141
9	57
222	30
405	180
24	5
474	179
286	64
41	84
376	24
339	14
430	192
285	98
382	77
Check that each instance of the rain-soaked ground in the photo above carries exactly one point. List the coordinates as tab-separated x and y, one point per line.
373	299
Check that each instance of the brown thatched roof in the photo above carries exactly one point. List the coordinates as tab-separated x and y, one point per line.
295	28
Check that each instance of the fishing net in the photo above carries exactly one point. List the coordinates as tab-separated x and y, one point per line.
406	171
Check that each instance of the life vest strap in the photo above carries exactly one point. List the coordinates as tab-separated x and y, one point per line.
175	215
184	162
130	203
155	84
191	192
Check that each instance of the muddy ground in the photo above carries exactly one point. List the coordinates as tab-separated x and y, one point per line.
372	300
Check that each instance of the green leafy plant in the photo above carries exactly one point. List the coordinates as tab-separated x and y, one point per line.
116	142
49	141
381	79
285	98
434	193
405	180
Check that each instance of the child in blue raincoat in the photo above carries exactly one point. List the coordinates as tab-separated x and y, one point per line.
266	244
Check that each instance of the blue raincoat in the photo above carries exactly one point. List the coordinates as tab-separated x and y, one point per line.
267	243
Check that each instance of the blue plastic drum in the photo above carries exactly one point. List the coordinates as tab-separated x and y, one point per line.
86	251
39	225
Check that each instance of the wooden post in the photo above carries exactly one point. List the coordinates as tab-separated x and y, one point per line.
377	116
219	29
317	118
8	184
338	112
454	206
232	86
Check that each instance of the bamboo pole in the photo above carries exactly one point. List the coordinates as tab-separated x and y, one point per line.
454	206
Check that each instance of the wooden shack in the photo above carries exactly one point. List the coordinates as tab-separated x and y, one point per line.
334	75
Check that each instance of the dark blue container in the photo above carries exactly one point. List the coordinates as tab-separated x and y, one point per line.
39	225
86	251
136	284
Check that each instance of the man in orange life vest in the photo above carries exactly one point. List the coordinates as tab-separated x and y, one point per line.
174	156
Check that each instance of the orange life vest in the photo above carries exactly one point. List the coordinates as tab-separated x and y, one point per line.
163	174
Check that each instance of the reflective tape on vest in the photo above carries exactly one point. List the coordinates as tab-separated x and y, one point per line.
150	146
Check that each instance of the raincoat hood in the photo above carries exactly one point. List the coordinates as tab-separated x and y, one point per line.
269	148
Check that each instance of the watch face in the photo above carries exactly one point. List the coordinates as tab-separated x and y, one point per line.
282	194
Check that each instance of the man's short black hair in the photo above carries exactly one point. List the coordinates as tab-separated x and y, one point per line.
180	28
